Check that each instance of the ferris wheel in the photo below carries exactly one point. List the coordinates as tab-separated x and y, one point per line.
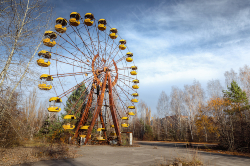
86	51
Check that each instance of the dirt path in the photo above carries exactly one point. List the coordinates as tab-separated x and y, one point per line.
149	153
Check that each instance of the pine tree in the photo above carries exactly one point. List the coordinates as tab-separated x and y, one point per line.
237	97
238	105
76	95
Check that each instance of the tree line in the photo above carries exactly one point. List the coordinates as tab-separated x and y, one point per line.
217	114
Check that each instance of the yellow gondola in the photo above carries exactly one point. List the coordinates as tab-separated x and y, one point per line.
133	72
54	107
122	44
122	47
84	127
135	100
42	63
56	99
68	126
43	84
100	138
131	113
133	67
69	117
50	37
44	87
129	59
74	19
89	19
135	81
129	54
131	107
61	24
102	24
135	87
112	126
113	32
135	94
100	129
45	54
125	125
47	77
124	118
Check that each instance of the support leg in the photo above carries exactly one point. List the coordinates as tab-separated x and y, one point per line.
103	125
85	113
113	111
98	109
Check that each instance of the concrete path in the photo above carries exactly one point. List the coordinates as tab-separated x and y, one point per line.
149	153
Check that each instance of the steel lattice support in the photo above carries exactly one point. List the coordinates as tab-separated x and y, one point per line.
103	125
113	111
85	113
98	109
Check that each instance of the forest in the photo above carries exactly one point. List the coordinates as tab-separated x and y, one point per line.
194	114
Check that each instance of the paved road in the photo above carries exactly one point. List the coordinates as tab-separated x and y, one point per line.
149	153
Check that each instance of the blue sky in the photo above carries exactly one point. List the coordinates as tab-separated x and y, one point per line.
174	41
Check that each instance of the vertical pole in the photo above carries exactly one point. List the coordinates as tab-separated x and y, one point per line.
113	111
101	116
130	138
98	109
103	125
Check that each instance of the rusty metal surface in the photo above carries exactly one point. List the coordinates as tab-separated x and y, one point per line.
116	77
113	111
98	109
85	113
93	69
74	87
103	125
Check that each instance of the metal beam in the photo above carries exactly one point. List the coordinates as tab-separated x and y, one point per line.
113	111
98	109
103	125
85	113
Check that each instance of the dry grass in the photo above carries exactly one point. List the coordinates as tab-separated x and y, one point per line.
189	160
35	151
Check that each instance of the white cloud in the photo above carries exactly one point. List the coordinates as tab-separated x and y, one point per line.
173	68
187	40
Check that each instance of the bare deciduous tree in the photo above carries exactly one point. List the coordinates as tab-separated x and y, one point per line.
230	76
194	98
163	105
22	26
23	23
176	106
214	89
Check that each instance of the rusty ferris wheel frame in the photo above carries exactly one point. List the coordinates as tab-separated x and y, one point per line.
102	71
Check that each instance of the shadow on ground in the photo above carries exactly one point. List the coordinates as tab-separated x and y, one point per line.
63	162
179	145
194	147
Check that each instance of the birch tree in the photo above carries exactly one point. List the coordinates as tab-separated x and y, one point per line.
193	97
163	105
176	106
163	110
244	77
230	76
23	23
214	89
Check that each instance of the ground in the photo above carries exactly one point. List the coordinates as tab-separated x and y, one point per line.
149	153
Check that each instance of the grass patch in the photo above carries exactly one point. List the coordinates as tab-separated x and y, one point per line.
33	151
